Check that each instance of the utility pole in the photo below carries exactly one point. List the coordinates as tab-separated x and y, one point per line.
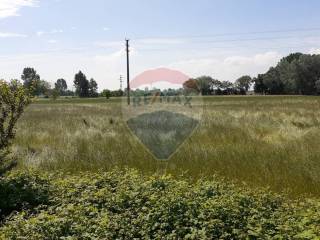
121	81
128	72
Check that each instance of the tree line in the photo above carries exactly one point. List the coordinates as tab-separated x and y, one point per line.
207	85
37	87
296	73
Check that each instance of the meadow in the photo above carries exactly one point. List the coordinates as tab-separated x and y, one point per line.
262	141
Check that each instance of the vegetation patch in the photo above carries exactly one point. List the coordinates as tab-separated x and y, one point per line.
261	140
127	205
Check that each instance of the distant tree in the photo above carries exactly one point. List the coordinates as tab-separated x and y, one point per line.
292	57
189	87
307	73
216	84
117	93
69	93
244	83
13	100
54	93
295	74
205	84
273	81
318	86
31	80
106	93
43	88
61	86
287	70
259	86
82	84
93	88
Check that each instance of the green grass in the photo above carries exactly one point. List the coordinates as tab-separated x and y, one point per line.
263	141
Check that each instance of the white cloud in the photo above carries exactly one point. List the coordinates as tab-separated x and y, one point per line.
109	44
52	41
105	28
53	31
10	35
314	51
9	8
229	68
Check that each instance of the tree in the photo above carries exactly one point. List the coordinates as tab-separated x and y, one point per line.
42	88
13	100
205	84
190	87
93	88
259	86
295	74
307	73
54	94
244	82
82	84
106	93
61	86
318	86
31	80
117	93
292	57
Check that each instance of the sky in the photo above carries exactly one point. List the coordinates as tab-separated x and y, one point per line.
221	38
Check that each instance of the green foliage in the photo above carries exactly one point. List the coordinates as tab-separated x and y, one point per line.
54	94
82	84
204	84
106	93
263	141
116	93
61	86
32	82
22	191
244	82
93	88
209	86
13	100
127	205
30	78
295	74
84	87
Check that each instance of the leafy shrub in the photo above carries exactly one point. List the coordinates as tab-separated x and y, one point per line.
22	191
13	99
127	205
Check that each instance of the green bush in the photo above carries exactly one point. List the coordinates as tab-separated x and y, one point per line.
127	205
13	100
22	191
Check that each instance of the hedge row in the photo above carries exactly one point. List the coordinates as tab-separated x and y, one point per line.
127	205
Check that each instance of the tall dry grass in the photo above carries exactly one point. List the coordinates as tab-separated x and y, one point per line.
263	141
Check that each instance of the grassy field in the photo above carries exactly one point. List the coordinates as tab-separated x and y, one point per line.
262	141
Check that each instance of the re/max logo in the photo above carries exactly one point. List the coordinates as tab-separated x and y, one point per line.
157	98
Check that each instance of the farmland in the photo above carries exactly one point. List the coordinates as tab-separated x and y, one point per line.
260	141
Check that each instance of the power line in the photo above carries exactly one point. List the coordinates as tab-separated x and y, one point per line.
90	47
230	34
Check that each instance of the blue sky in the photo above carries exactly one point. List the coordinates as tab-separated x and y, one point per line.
221	38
